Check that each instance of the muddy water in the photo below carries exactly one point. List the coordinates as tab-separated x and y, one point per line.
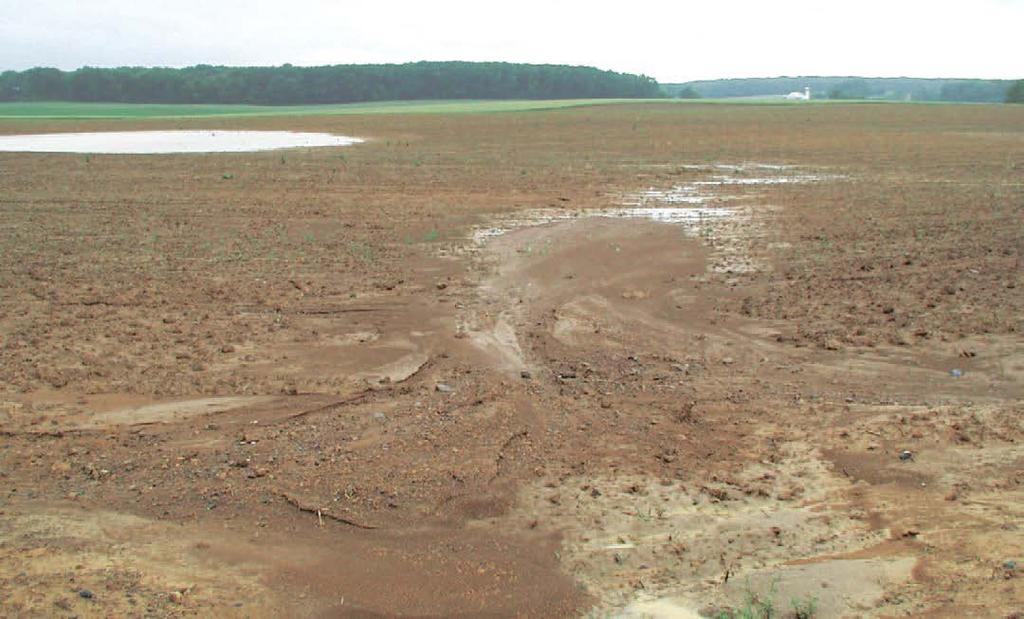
163	142
692	205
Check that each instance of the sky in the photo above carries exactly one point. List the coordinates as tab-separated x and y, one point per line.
672	41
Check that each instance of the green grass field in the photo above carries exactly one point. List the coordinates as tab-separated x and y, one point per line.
72	110
77	110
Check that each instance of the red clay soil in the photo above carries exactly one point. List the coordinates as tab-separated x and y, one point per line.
310	383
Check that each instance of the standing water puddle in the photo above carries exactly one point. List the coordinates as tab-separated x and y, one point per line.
164	142
683	205
691	216
729	224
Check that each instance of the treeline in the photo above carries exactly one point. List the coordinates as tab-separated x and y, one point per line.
881	88
288	84
1015	94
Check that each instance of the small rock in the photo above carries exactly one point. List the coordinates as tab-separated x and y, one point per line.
1009	565
227	348
906	455
443	388
175	597
381	417
728	361
956	372
85	593
526	375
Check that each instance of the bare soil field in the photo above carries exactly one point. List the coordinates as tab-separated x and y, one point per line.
491	364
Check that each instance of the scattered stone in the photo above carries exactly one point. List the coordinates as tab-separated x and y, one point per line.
257	472
85	593
956	372
728	361
906	455
526	375
381	417
443	388
227	348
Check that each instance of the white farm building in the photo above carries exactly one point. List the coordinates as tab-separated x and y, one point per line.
800	96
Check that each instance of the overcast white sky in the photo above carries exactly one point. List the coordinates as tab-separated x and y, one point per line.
670	40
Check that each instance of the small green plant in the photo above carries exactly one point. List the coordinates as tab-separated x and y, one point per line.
227	176
755	605
804	608
762	605
361	251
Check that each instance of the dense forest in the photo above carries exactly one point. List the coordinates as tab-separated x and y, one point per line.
1015	94
288	84
887	88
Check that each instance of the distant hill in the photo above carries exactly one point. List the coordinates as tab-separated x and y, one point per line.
881	88
290	85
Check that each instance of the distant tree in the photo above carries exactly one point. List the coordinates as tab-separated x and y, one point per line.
972	90
289	84
688	92
1015	93
855	88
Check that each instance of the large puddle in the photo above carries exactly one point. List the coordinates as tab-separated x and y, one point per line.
694	205
158	142
724	206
